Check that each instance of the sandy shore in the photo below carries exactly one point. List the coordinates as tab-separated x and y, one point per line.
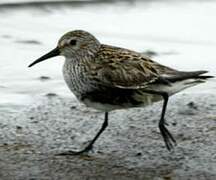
131	148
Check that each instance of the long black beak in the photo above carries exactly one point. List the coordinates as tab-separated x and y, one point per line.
53	53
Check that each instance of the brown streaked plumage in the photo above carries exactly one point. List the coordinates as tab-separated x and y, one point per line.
107	78
121	67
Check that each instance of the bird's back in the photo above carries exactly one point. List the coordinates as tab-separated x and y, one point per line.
119	67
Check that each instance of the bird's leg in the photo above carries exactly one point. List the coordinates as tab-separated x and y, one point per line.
167	136
90	145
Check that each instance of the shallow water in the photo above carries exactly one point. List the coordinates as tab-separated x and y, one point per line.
182	33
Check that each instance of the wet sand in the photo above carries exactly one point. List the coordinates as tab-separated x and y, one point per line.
131	147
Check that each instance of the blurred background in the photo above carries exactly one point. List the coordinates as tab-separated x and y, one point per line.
178	33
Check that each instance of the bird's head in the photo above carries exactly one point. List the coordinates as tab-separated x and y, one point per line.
71	45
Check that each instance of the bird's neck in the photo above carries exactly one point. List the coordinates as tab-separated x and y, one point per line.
78	59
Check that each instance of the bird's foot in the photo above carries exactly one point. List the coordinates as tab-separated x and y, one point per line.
169	140
70	153
74	153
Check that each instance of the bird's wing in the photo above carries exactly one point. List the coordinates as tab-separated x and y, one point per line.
117	67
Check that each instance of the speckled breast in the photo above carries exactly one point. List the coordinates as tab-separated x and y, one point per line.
76	78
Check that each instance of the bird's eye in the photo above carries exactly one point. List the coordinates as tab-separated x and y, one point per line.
73	42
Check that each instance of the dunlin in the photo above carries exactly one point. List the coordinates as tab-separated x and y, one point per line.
106	77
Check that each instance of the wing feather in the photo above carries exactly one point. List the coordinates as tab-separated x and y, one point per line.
123	68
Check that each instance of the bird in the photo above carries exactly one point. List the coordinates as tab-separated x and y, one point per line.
107	78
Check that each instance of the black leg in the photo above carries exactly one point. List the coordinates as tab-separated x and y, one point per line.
90	145
167	136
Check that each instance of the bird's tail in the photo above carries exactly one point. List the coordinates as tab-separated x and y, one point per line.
195	75
182	80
